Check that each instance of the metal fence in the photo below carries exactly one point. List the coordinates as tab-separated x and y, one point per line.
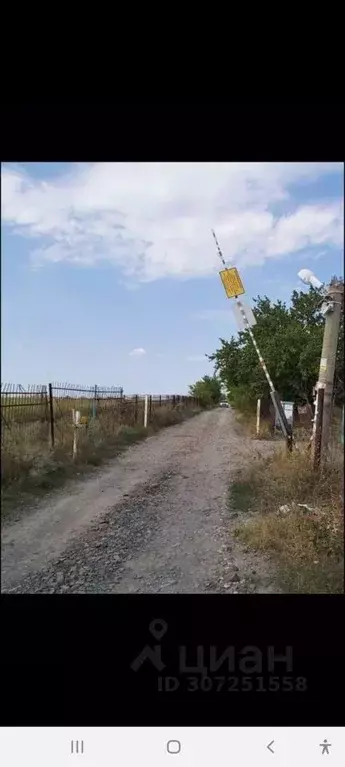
45	413
98	406
24	413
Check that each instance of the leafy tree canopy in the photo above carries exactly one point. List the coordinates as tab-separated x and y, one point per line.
208	390
290	341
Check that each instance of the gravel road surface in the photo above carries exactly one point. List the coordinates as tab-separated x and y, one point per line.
155	520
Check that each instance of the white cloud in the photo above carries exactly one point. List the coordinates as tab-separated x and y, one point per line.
153	220
137	352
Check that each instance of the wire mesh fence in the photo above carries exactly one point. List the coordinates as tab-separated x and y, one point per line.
39	418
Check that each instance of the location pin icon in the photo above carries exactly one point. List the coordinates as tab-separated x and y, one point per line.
158	627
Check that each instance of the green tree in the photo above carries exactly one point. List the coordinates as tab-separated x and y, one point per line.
208	391
290	340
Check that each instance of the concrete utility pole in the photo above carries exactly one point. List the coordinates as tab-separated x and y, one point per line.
333	303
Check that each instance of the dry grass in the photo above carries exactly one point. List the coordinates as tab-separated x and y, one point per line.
307	545
247	422
30	468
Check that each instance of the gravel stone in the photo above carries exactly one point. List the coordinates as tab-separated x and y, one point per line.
154	520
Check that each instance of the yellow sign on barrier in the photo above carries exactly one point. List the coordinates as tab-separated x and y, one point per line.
232	282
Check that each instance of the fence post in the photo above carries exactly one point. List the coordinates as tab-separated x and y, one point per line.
258	407
136	409
145	411
160	399
174	400
51	411
76	422
94	403
46	410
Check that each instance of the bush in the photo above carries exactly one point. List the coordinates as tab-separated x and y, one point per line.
208	391
240	400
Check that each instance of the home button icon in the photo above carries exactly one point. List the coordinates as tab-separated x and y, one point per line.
173	746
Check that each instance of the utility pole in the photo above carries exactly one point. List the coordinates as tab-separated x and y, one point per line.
332	308
317	429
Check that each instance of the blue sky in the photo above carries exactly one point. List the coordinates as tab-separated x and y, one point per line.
110	271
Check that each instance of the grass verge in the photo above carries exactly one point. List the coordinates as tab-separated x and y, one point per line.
30	470
247	424
306	544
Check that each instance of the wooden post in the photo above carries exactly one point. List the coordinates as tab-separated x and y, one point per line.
76	424
136	409
258	408
150	408
145	411
51	412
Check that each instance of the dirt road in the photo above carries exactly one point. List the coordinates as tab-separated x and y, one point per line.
154	521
